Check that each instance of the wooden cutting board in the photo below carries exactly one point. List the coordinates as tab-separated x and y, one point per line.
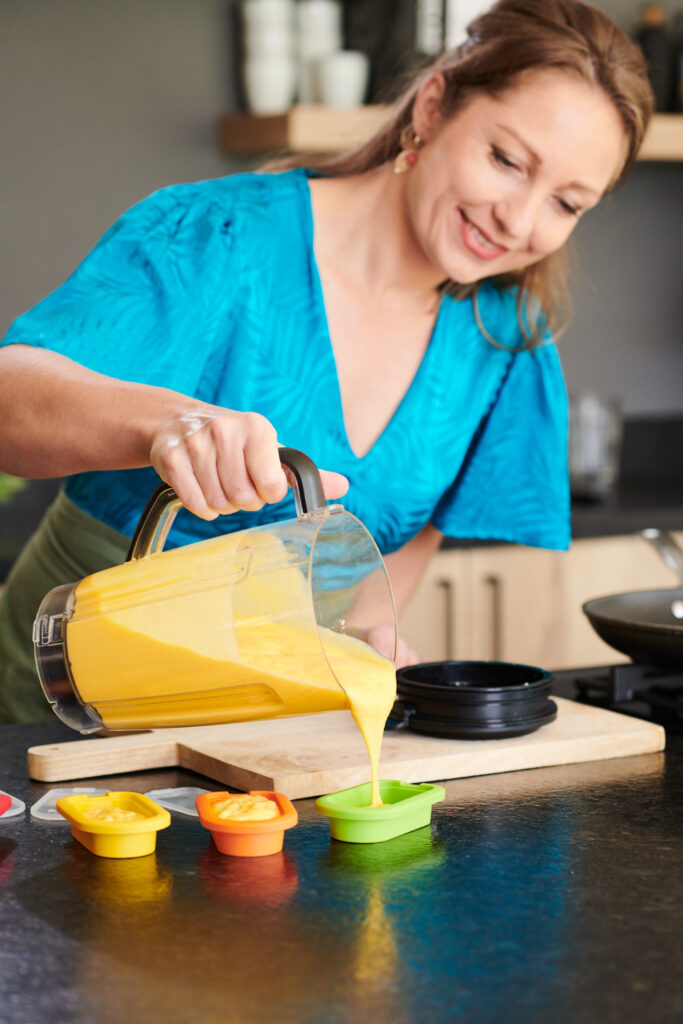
313	754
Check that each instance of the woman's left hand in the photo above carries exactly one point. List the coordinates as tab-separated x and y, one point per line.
382	639
405	655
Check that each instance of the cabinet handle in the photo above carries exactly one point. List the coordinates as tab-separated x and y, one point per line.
496	616
449	602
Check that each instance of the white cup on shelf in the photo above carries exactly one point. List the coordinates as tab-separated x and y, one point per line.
268	14
319	34
270	84
343	78
309	68
319	43
319	28
269	42
319	14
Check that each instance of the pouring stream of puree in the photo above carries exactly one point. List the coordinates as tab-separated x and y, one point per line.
369	681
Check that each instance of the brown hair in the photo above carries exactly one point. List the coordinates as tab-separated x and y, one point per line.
513	37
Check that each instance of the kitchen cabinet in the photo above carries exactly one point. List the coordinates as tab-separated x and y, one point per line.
514	603
316	128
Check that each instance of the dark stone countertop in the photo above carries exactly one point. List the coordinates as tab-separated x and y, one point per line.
553	895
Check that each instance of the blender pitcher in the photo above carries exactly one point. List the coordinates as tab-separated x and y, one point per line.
256	624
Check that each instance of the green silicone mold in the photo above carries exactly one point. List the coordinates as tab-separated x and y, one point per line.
405	807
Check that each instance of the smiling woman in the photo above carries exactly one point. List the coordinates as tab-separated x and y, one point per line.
389	311
596	114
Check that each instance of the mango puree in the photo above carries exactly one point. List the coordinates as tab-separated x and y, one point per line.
220	652
112	813
246	807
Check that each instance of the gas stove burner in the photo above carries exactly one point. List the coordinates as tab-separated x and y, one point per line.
666	699
634	689
626	682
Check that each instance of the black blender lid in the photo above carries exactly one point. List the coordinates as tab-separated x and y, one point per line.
484	728
485	675
473	699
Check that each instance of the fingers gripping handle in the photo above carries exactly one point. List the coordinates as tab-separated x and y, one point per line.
161	509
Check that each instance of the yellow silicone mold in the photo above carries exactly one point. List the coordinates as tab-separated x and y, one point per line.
116	824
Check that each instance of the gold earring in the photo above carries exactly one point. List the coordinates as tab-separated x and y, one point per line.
411	143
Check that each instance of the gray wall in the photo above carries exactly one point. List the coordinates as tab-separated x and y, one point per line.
626	336
626	12
103	102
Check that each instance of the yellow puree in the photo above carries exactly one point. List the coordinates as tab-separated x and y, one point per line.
113	814
246	807
149	645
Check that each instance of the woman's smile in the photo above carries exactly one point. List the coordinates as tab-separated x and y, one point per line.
477	241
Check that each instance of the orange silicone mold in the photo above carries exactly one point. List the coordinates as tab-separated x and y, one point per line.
247	838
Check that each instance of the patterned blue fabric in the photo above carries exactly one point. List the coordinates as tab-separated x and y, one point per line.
212	289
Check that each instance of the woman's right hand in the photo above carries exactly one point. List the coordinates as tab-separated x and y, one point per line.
220	461
60	418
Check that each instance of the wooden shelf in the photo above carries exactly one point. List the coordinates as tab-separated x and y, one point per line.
319	129
313	128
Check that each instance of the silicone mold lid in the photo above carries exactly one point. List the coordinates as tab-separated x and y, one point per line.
181	799
13	808
45	809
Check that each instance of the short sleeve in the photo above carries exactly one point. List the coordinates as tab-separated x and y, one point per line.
514	483
142	305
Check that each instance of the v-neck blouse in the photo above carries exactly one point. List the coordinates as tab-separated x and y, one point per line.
327	347
212	289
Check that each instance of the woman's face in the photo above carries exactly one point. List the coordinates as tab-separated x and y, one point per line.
503	183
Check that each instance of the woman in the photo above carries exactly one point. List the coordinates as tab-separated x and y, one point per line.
391	313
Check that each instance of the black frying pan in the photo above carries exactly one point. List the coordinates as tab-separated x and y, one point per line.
647	625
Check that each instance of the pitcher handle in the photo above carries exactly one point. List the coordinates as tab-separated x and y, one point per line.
304	479
163	506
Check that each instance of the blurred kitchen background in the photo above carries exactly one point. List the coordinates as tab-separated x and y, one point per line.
105	102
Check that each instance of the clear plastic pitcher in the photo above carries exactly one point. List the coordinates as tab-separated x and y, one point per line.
265	622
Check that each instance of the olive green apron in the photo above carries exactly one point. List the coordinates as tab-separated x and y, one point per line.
68	545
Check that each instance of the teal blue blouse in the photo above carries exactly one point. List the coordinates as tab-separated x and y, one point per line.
212	289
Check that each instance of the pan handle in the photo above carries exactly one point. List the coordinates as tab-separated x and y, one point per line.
665	545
